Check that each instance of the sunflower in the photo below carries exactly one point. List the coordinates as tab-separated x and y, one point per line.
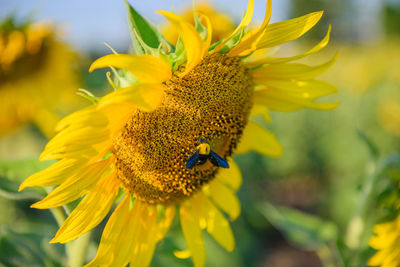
387	242
30	88
139	138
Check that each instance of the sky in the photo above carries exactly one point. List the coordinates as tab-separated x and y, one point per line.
86	24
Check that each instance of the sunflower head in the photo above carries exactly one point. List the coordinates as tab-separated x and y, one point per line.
29	56
22	46
141	135
212	101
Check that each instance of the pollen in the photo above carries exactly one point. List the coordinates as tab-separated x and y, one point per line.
212	101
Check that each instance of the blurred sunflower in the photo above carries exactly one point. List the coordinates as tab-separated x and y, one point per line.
387	242
222	25
142	136
36	79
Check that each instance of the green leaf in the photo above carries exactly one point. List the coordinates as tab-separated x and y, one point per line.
372	148
305	231
13	172
18	170
9	190
142	32
29	249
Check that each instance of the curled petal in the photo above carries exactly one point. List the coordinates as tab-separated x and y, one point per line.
146	68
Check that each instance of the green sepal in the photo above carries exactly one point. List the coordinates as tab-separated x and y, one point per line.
178	58
234	41
142	32
212	46
88	95
122	78
157	52
200	28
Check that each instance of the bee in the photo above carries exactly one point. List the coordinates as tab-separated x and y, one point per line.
202	153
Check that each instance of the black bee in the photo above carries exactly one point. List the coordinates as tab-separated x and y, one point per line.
203	153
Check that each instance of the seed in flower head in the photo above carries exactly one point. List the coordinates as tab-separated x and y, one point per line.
203	153
212	101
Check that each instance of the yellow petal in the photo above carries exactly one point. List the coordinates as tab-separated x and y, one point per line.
289	30
258	139
145	96
217	225
230	176
249	42
147	240
147	68
110	237
182	254
90	211
194	45
75	186
128	241
243	24
278	60
225	199
73	152
55	174
165	223
261	111
290	71
192	233
70	138
285	95
117	115
382	241
378	258
394	258
86	117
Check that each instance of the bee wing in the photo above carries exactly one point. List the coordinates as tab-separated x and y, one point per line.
192	160
217	160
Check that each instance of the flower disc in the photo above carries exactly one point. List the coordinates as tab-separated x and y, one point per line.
212	101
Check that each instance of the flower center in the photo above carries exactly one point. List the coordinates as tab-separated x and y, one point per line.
22	57
212	101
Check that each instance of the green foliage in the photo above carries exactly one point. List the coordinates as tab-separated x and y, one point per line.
372	149
302	230
28	249
200	28
392	19
234	41
13	172
179	56
145	37
10	23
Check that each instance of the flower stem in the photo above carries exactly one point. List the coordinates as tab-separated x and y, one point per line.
77	250
356	231
357	223
59	215
329	256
